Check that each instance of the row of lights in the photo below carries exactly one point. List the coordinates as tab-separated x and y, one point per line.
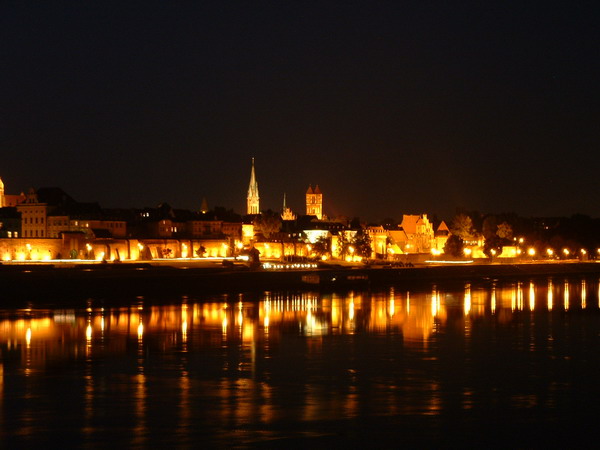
530	251
288	266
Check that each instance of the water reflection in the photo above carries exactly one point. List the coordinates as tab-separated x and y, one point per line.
280	358
413	314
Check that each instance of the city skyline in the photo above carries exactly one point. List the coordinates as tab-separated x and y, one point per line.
253	205
390	108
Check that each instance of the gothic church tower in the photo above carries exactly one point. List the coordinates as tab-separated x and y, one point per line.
314	202
253	198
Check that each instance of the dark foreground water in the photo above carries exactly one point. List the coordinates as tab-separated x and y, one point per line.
494	364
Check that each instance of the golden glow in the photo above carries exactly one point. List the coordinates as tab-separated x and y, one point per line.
435	303
416	315
224	324
467	251
566	251
240	317
531	251
531	296
184	328
550	252
520	296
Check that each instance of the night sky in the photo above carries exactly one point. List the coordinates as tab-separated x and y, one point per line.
391	107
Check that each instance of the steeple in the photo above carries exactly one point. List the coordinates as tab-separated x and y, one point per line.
2	202
253	198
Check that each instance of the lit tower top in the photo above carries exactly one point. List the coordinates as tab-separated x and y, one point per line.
253	198
1	194
314	202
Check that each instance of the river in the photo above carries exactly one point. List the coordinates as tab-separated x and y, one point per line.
490	363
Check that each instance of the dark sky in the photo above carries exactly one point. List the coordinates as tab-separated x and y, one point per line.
391	107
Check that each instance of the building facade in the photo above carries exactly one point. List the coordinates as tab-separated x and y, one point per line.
34	216
314	202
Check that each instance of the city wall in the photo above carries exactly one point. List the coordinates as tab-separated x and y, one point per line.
75	246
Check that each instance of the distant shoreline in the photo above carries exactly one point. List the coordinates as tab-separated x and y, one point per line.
48	283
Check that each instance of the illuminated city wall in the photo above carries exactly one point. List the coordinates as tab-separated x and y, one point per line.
30	249
79	248
276	250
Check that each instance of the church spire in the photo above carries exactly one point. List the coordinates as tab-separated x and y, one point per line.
253	198
287	213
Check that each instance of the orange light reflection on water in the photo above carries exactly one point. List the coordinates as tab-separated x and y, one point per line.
415	314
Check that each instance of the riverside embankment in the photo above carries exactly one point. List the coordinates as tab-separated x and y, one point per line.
35	282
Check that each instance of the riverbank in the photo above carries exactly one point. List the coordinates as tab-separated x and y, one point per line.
62	281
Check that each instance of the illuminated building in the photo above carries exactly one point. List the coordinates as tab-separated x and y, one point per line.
379	242
419	233
34	214
442	233
253	197
314	202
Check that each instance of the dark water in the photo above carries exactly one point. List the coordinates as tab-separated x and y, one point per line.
494	364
